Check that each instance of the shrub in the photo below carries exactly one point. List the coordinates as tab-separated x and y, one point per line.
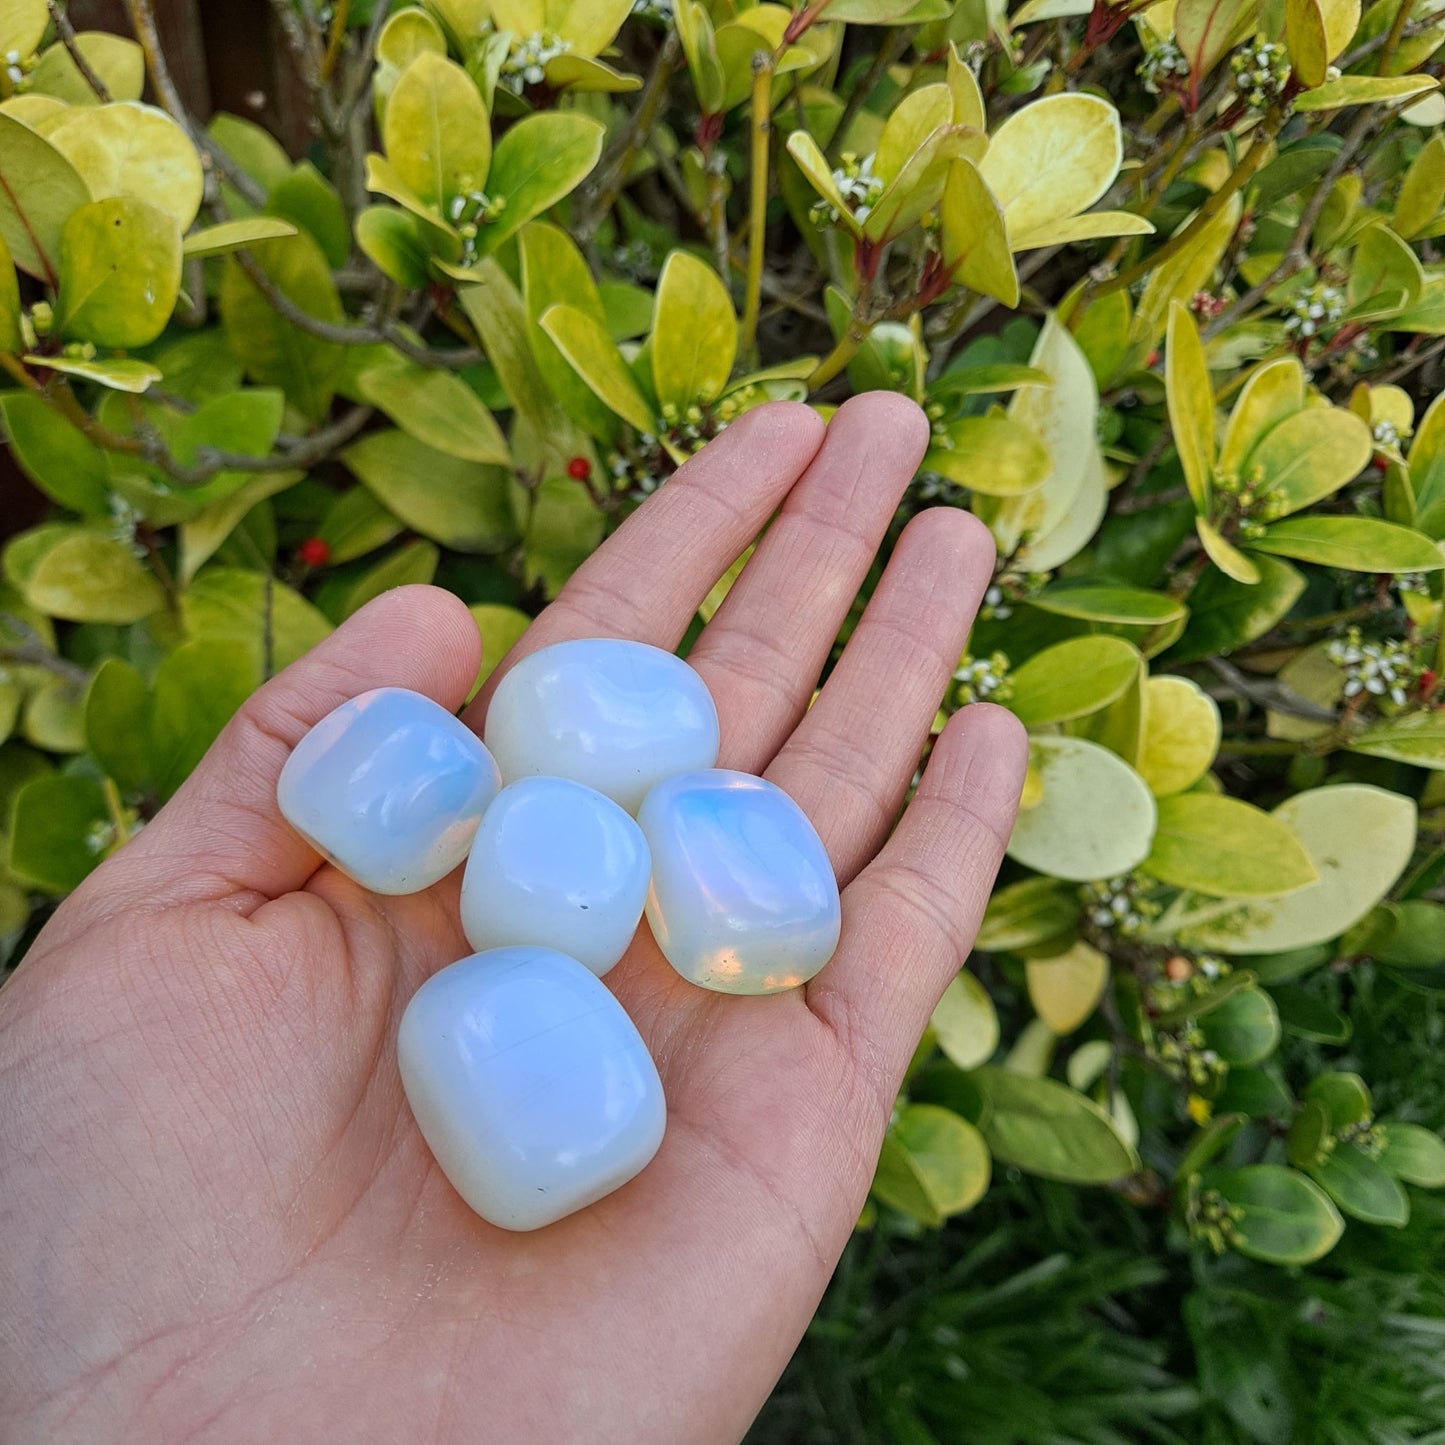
539	255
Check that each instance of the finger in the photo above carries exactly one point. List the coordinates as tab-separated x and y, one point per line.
762	654
222	834
910	918
851	759
646	583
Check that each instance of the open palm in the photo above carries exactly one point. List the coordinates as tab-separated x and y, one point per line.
219	1221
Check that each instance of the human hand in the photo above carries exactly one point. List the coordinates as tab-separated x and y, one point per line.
220	1221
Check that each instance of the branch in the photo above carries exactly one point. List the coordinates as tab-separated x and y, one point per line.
758	205
66	31
30	651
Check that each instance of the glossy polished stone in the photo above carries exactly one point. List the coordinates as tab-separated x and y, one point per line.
390	787
557	864
530	1084
743	897
618	716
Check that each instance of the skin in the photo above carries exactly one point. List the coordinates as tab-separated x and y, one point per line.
219	1221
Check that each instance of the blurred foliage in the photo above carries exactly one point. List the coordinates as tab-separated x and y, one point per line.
541	253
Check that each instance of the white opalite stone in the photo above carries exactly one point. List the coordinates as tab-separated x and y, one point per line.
390	787
743	897
530	1084
555	863
618	716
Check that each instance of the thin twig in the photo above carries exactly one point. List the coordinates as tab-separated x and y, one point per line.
30	651
762	129
1412	363
66	31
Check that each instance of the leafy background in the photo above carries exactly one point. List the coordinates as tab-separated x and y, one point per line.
1164	277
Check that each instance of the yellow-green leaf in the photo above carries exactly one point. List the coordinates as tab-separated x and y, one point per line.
118	373
437	133
965	1023
991	454
1275	391
39	191
933	1164
501	627
1191	404
1066	989
976	250
436	408
1304	30
274	624
133	150
1206	30
117	60
1088	227
540	159
87	576
1362	89
1355	544
1181	734
1422	192
694	334
911	121
1189	270
120	272
1226	848
1308	456
1284	1218
591	353
1224	554
12	340
1072	679
22	26
233	235
1049	1129
819	174
1072	532
1053	159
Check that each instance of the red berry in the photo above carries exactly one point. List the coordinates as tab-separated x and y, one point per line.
314	552
1427	682
1153	359
1381	464
579	469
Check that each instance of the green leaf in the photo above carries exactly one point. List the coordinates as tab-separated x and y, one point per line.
1285	1218
1410	934
1244	1028
1025	913
355	524
416	562
976	250
197	690
1226	848
1345	1098
1048	1129
1304	1016
1309	1135
1362	1187
540	159
1053	159
87	576
133	150
54	455
273	351
1205	31
117	61
312	204
1360	840
970	380
1305	37
1422	192
437	134
276	625
203	534
694	334
120	272
1414	1154
464	505
1354	544
1191	404
39	191
117	724
991	454
12	339
1195	1006
1308	456
437	408
1105	603
397	243
933	1164
593	356
1224	614
1209	1143
1072	679
54	717
1255	1092
1364	90
54	820
124	374
1383	265
965	1024
1096	816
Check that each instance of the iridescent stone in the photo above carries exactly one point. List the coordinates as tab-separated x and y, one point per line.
743	897
531	1085
618	716
390	787
557	864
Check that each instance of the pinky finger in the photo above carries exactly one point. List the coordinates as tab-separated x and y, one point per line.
910	918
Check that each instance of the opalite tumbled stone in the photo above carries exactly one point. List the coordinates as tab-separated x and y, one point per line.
618	716
555	863
743	897
390	787
530	1084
